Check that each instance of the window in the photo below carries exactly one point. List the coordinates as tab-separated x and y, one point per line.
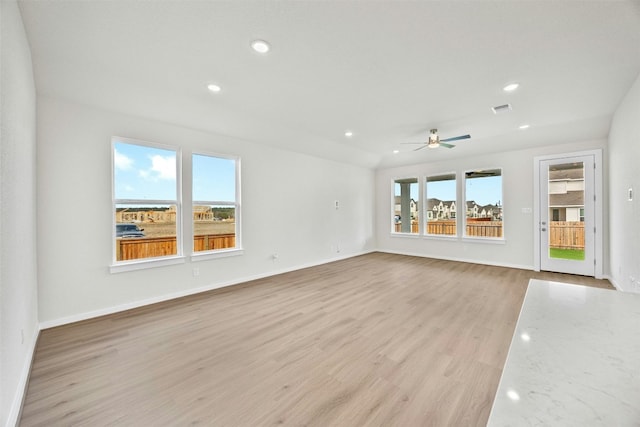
405	206
483	203
441	205
216	206
146	201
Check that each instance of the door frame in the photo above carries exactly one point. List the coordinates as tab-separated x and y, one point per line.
598	211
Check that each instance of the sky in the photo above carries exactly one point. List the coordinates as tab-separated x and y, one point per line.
484	191
148	173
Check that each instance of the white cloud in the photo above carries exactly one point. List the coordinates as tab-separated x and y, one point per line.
161	168
121	161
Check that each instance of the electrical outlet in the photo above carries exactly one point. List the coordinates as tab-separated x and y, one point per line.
196	272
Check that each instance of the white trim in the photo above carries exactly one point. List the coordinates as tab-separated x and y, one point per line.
491	240
144	263
153	300
425	202
408	235
599	212
221	253
114	201
418	178
470	261
614	283
463	189
21	391
443	237
237	203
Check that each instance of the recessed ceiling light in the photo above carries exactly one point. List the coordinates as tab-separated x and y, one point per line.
510	87
524	127
348	134
260	46
513	395
396	151
214	87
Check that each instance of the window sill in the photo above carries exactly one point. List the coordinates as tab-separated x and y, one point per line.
125	266
490	240
447	237
409	235
204	256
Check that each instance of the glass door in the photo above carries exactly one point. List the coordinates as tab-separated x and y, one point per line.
567	210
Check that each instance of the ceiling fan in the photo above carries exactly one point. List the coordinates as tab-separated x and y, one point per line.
434	141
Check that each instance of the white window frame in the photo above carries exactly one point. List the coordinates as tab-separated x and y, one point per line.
464	206
219	253
425	197
138	264
393	206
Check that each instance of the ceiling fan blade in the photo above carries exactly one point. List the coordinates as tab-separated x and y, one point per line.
456	138
444	144
420	148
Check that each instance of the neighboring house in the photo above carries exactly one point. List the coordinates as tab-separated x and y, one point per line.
493	212
440	210
566	195
161	215
413	207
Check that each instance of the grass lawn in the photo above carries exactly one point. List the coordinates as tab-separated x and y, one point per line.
575	254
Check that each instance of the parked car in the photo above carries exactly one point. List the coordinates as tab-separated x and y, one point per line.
129	230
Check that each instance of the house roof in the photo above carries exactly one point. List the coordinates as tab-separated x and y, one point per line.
435	202
387	71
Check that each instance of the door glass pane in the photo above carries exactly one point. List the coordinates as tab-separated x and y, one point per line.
566	211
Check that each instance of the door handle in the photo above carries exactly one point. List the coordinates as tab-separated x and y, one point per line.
543	229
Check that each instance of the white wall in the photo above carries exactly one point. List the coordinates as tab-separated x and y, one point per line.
624	166
517	176
288	208
18	280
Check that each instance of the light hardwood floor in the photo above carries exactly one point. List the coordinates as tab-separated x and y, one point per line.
375	340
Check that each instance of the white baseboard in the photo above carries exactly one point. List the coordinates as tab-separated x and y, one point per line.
161	298
615	284
470	261
23	382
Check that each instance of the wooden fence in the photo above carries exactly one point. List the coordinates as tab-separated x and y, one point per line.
474	228
151	247
566	234
562	234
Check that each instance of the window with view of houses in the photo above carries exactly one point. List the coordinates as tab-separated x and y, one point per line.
405	206
483	204
441	208
146	206
215	203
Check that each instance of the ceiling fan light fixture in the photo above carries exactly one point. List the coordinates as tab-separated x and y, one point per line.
433	144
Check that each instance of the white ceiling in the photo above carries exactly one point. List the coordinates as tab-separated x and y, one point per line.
388	71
